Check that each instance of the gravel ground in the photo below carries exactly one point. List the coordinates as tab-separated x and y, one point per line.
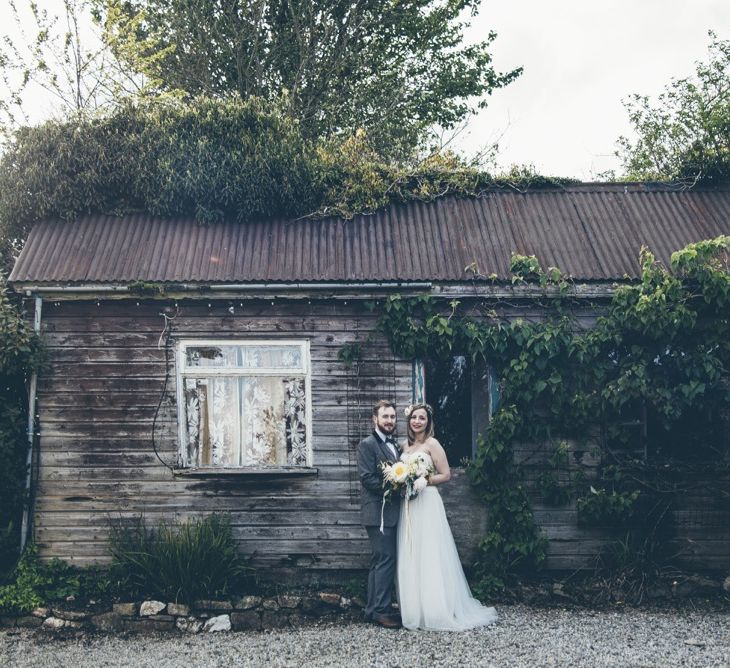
522	637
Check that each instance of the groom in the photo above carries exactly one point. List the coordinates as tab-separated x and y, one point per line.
377	448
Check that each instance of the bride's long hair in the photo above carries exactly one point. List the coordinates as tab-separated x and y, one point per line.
429	431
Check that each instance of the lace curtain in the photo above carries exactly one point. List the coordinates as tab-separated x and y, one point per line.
246	421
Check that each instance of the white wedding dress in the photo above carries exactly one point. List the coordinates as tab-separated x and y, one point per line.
433	593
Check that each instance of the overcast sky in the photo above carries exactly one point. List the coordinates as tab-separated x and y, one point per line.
580	59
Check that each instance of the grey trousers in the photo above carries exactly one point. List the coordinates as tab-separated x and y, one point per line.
382	569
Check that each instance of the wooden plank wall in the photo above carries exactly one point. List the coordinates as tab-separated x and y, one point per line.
96	405
699	517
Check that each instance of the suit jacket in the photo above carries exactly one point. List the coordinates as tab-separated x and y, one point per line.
370	454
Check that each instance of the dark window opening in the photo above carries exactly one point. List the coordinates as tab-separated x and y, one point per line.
459	392
640	432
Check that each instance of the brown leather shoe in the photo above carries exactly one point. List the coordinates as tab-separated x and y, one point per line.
386	621
394	613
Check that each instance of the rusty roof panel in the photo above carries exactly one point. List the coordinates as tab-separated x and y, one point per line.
592	232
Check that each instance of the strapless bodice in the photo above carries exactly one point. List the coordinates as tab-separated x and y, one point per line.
408	457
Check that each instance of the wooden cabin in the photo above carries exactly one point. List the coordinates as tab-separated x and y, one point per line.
197	369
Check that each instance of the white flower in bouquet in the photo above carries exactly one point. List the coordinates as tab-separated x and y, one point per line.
422	469
402	477
396	473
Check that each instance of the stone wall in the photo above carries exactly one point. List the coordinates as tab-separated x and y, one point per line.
245	613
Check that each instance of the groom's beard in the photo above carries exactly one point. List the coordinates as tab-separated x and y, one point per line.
388	430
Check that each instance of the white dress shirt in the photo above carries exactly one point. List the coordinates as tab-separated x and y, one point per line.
390	446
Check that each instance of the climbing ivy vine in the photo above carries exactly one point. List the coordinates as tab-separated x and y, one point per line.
646	384
20	354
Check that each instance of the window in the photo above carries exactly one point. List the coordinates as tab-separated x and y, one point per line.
463	396
244	403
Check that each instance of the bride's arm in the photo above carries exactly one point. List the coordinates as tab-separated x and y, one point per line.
441	464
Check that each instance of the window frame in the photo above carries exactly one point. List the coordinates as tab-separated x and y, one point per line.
183	371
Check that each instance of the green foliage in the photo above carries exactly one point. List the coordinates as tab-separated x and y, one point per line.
526	268
144	289
20	348
27	583
556	483
657	357
513	543
392	69
195	560
554	493
349	354
603	508
33	583
20	354
192	560
208	159
225	160
639	517
13	451
9	548
685	135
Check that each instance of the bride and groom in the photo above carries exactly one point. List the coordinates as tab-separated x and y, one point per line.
412	540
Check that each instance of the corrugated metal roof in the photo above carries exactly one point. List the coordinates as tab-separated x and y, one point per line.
591	231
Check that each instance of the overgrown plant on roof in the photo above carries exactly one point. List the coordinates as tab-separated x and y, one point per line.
212	160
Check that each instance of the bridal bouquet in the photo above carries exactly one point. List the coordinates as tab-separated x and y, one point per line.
401	477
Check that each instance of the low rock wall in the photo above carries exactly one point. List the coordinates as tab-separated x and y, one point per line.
241	614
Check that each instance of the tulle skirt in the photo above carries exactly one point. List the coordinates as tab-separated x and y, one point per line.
432	590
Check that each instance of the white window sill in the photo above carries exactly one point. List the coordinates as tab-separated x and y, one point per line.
248	472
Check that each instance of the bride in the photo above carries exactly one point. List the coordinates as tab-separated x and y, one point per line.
432	591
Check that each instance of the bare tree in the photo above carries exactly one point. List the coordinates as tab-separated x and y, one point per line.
69	61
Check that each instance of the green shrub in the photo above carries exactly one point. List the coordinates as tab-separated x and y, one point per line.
33	583
24	592
178	562
489	586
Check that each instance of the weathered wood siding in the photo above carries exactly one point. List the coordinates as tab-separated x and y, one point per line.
96	405
698	522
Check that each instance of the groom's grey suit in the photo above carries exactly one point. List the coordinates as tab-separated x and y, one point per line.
371	452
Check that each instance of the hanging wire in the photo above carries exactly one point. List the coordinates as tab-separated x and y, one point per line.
164	342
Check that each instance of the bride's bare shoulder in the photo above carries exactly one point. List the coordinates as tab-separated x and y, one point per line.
432	443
